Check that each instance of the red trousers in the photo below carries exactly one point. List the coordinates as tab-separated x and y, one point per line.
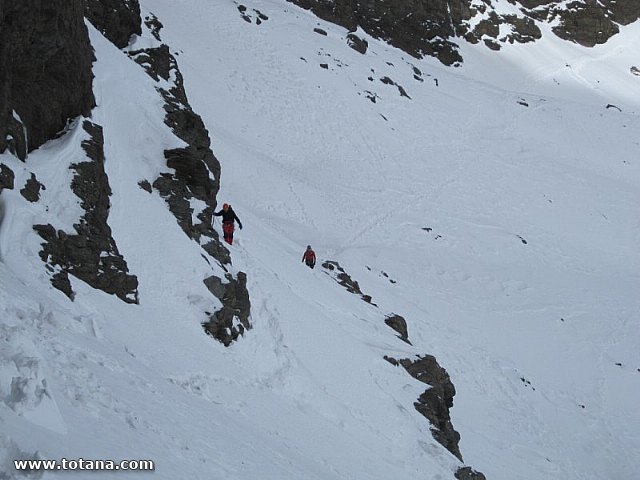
227	230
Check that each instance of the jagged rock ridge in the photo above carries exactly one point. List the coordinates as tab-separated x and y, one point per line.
434	404
344	279
91	253
435	27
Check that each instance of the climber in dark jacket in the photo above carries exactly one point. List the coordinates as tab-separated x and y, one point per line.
228	217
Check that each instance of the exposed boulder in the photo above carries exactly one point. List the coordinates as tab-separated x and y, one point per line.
145	185
117	20
31	190
344	279
399	324
401	90
360	45
232	320
7	178
46	76
91	253
154	25
468	473
435	402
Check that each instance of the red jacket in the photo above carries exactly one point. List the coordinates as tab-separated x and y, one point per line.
309	257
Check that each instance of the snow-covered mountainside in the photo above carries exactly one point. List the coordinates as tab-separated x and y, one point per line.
474	306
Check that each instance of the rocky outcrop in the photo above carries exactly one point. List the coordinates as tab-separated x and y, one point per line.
232	320
196	171
401	90
46	76
468	473
399	324
91	253
31	190
7	177
434	405
421	27
194	180
117	20
360	45
435	27
435	402
343	278
522	29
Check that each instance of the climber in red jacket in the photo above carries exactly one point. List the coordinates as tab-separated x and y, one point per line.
309	257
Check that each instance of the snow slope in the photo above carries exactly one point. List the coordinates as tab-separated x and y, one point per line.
531	333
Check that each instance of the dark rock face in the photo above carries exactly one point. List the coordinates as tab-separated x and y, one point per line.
523	30
31	190
254	16
360	45
145	185
154	25
419	27
401	90
115	19
91	254
431	27
399	324
435	402
587	24
468	473
585	21
7	177
434	405
46	76
232	320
